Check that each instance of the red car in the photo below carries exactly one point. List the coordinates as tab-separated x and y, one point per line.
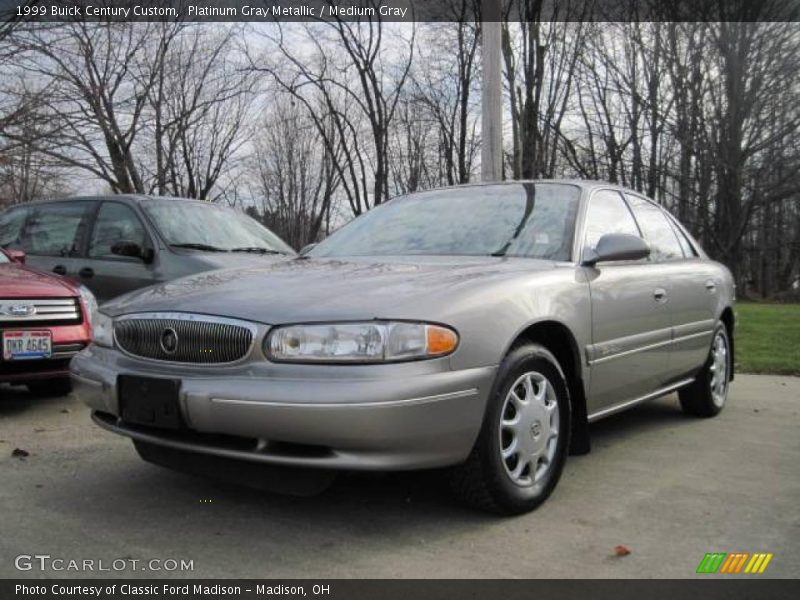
44	321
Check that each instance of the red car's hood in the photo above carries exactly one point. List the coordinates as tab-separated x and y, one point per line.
19	281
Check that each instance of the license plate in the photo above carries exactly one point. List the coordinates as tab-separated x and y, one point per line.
27	345
149	401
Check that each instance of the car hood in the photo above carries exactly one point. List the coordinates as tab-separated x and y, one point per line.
229	260
322	289
20	281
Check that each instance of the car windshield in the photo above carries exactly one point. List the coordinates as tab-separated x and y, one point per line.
534	220
205	226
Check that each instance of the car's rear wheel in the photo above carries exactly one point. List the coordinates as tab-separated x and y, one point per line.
50	387
707	395
521	449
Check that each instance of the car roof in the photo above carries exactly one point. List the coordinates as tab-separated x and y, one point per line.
582	183
134	198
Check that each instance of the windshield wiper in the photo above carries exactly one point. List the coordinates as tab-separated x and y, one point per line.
257	250
193	246
530	201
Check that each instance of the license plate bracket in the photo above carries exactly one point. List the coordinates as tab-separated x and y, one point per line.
150	401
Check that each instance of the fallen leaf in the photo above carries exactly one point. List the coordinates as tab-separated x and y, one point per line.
39	430
621	550
65	410
19	453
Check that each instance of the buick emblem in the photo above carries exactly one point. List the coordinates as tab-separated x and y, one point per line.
20	310
169	340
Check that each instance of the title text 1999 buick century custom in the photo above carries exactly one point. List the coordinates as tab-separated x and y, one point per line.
478	327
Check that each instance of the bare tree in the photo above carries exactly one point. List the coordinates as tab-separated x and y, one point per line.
295	177
26	174
97	82
198	109
683	48
435	139
444	82
359	86
144	107
540	65
413	146
756	63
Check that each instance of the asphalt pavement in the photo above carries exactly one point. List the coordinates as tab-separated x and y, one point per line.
666	487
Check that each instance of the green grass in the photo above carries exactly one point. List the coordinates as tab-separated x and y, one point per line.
768	338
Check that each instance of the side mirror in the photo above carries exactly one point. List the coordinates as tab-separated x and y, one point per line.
615	247
16	255
133	250
307	248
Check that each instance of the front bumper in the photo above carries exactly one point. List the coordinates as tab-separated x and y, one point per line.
378	417
68	340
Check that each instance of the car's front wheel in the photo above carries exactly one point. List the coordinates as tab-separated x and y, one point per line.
707	395
521	449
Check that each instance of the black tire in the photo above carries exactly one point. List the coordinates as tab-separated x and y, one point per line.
483	481
50	387
698	399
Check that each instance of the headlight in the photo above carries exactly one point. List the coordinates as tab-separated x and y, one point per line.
371	342
103	330
89	302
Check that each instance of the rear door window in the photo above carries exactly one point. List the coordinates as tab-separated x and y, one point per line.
11	223
657	230
55	229
683	240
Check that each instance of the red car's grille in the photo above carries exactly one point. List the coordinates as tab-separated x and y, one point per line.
39	312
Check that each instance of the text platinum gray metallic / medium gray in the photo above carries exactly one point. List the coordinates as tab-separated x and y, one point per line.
479	328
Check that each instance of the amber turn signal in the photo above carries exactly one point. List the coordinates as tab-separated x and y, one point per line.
440	340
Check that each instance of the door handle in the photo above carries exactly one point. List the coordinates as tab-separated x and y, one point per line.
60	270
660	295
711	286
86	273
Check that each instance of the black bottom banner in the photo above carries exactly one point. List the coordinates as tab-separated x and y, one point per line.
401	589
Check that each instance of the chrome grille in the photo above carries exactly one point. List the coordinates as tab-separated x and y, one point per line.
203	340
39	311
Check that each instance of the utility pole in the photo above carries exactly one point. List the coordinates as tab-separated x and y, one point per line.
491	94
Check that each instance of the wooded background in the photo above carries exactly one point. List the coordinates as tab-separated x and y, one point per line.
306	125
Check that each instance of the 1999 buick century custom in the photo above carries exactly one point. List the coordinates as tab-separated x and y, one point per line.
478	327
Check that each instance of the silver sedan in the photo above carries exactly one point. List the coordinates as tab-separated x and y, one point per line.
479	328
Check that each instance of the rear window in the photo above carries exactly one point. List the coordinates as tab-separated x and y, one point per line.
54	229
